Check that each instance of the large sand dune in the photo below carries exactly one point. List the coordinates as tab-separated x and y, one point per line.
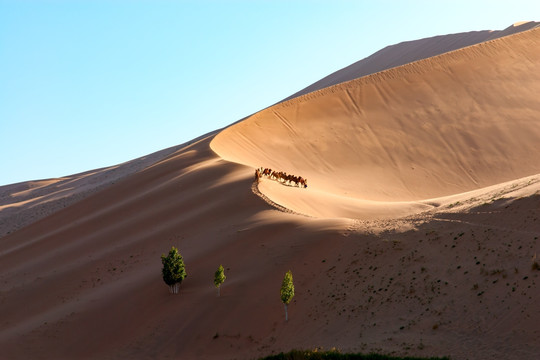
448	124
423	227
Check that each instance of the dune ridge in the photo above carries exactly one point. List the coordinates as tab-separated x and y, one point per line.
411	51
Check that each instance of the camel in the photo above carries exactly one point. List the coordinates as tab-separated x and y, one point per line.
280	176
258	175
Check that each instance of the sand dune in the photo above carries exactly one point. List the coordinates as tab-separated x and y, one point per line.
416	236
440	126
24	203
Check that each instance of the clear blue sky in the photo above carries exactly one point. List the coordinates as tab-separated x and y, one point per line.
88	84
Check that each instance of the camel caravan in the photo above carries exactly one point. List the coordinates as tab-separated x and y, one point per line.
280	176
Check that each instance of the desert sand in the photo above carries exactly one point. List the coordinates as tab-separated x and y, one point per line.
417	233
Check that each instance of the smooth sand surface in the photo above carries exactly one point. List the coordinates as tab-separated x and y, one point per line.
448	124
416	236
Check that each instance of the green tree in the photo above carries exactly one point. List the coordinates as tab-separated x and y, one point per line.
287	291
174	270
219	278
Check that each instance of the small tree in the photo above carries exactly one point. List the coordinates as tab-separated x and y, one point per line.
219	278
174	270
287	291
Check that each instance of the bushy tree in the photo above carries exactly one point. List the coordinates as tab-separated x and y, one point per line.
219	278
174	270
287	291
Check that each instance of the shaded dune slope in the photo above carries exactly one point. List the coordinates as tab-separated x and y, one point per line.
95	266
85	282
449	124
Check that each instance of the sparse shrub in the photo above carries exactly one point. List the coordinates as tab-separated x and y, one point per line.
535	266
219	278
287	291
174	270
336	355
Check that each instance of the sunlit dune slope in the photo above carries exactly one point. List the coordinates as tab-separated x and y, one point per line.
439	126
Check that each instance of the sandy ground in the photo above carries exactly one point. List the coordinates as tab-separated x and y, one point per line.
417	233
